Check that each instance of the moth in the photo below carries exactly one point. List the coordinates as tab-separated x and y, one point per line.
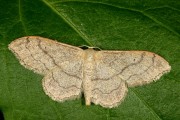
103	76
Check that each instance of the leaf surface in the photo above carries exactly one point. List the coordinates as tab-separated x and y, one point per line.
107	24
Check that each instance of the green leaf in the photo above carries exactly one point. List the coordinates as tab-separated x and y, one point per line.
108	24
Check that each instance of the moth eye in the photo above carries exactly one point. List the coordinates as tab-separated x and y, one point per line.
96	48
84	47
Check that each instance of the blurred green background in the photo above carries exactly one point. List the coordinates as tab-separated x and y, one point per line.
108	24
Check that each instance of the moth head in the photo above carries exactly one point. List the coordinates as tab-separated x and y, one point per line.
85	47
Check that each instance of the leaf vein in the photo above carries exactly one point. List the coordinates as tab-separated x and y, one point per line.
130	9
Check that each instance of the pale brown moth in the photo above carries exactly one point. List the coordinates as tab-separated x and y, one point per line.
103	76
